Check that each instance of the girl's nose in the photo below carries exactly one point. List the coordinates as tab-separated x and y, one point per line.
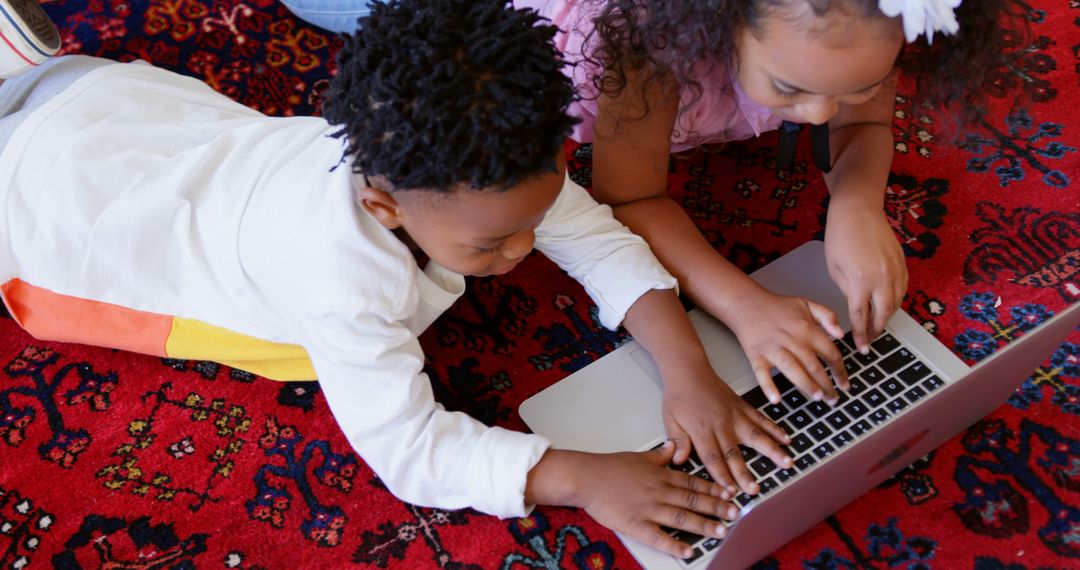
819	109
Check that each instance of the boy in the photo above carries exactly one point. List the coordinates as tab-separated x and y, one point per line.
182	224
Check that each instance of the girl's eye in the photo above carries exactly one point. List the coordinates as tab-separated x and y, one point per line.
784	93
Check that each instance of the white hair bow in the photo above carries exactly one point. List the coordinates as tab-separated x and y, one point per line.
923	16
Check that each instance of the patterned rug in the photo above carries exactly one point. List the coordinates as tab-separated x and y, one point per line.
116	460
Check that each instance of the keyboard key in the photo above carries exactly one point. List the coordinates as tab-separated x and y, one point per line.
762	466
819	431
932	383
794	399
897	405
743	499
841	439
873	398
885	344
860	427
704	474
784	426
849	339
801	442
785	474
755	397
897	360
878	416
748	453
686	467
851	366
865	359
686	536
698	553
711	544
892	386
872	375
856	409
767	484
843	348
838	420
805	462
857	387
824	450
782	383
819	409
914	394
775	411
800	419
912	374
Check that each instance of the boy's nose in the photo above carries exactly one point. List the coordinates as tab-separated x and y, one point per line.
519	245
819	110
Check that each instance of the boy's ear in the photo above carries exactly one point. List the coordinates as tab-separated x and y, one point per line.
380	204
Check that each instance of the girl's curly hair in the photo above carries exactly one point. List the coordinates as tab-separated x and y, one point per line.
431	94
948	74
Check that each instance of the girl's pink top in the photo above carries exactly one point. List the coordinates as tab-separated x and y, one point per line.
722	113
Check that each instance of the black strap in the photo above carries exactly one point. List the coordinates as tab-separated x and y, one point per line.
785	150
819	145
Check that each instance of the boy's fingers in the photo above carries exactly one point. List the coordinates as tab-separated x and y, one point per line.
766	437
715	463
651	534
739	471
693	493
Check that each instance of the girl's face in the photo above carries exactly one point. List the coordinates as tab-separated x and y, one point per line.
804	68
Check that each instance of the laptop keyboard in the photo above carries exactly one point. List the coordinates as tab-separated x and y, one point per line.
883	383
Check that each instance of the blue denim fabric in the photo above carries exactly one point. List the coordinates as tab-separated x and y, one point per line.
333	15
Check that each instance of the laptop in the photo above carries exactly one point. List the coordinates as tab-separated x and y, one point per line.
907	397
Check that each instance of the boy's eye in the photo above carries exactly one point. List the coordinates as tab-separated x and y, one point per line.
487	249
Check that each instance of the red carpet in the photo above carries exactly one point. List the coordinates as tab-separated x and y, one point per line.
109	459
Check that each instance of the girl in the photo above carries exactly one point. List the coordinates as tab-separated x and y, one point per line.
657	76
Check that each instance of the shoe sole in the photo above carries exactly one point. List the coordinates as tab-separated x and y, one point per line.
28	34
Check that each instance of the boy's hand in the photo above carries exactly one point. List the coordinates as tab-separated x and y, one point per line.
638	494
867	263
702	411
789	333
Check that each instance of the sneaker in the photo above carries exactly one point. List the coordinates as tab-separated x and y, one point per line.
27	36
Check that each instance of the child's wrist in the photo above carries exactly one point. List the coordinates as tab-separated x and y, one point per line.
555	479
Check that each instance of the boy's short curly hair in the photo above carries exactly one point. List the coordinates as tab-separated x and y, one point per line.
433	94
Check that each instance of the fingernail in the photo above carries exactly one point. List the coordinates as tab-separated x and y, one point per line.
721	530
686	553
788	462
833	401
774	399
864	350
818	396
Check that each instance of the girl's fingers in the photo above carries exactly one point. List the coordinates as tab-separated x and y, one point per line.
825	317
679	440
763	373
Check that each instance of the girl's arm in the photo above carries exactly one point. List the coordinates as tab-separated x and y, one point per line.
630	168
864	257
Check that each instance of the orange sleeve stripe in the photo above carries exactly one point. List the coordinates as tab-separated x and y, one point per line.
51	316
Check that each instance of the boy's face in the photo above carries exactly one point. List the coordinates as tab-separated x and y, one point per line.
467	231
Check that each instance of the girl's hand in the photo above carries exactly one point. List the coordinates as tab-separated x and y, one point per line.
701	410
638	494
867	263
789	333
